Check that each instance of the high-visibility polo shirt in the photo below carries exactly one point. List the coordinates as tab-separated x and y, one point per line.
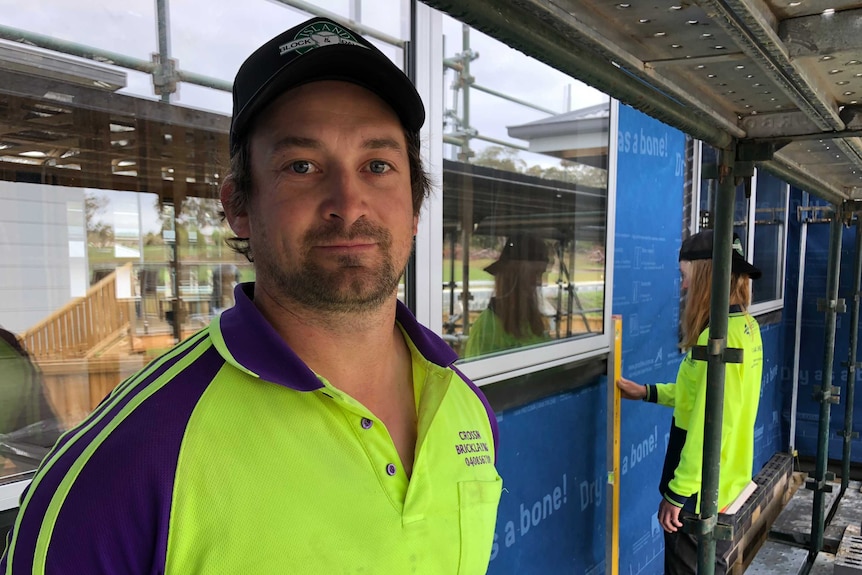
487	335
229	455
681	479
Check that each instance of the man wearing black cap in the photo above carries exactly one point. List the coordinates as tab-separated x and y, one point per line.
315	427
681	475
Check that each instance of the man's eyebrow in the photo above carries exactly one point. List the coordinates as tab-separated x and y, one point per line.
296	142
382	143
311	143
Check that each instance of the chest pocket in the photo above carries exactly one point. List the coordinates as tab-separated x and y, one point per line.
478	501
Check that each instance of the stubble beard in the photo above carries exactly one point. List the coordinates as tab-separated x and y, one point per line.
353	286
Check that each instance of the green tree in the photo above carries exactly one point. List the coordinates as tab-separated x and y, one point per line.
500	158
508	159
100	234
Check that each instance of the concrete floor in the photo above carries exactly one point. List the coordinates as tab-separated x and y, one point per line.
785	551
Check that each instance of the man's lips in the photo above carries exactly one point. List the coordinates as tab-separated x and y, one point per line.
350	246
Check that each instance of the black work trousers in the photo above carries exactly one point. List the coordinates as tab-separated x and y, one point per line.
680	552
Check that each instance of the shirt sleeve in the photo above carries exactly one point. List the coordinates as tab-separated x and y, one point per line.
661	393
692	381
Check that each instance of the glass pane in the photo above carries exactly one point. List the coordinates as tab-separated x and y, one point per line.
524	199
195	23
769	230
112	247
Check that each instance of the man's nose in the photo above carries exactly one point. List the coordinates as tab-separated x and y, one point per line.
345	197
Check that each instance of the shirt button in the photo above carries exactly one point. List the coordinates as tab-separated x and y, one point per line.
391	469
366	423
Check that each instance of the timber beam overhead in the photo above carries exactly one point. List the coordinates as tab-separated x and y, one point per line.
57	132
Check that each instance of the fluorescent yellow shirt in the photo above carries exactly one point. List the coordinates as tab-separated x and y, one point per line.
688	397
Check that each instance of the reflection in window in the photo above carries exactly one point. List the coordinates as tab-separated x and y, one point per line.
524	201
111	247
764	204
770	216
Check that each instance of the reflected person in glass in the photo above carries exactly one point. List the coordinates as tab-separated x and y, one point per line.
514	317
680	483
315	427
26	418
22	397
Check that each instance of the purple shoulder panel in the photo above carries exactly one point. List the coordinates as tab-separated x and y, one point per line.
255	344
115	517
429	344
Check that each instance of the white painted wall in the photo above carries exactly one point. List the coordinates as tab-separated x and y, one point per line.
43	260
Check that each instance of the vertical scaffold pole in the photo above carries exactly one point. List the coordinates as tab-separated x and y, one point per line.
164	34
850	395
827	394
718	321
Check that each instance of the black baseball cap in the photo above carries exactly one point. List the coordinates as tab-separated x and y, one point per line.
521	248
319	49
699	247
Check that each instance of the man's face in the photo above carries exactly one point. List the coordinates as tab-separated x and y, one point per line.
331	221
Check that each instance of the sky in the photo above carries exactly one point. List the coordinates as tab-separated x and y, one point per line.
212	38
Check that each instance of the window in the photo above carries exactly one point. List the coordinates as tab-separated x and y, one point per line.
111	244
769	240
525	206
760	221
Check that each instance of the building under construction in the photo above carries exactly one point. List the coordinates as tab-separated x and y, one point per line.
611	131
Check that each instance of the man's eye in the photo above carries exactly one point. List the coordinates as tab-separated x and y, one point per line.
378	167
301	167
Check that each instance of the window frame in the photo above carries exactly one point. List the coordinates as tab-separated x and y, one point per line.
774	304
781	249
429	260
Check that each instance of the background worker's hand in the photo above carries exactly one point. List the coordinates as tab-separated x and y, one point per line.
668	516
630	389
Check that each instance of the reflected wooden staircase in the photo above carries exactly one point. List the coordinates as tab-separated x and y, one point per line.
85	326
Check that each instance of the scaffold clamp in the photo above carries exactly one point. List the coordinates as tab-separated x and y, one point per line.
716	348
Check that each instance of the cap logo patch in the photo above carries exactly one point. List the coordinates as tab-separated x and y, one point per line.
318	35
737	247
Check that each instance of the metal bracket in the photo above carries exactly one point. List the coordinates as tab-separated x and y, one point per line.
851	366
833	395
743	169
702	526
823	486
709	172
847	434
836	305
165	76
851	116
751	151
705	220
815	214
849	208
714	348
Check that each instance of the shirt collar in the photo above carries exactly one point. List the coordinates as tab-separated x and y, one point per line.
249	342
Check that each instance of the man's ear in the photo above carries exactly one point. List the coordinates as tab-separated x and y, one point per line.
238	222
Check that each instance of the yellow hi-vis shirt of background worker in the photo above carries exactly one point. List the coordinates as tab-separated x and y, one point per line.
681	476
